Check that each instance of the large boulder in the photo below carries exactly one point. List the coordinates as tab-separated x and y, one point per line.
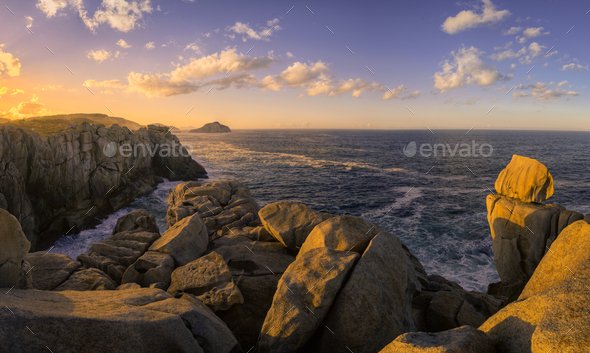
185	241
141	320
209	279
140	220
552	313
525	179
50	270
116	253
375	304
464	339
304	295
88	279
521	235
13	248
289	222
224	205
151	269
342	233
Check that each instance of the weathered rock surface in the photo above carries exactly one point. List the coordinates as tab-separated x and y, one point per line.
137	220
116	253
525	179
443	305
212	128
552	312
375	304
521	235
342	233
185	241
54	182
209	279
151	268
289	222
13	248
224	206
464	339
89	279
304	295
141	320
50	270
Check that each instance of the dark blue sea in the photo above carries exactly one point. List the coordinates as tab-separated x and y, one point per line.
426	187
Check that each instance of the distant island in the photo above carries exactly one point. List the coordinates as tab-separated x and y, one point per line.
212	128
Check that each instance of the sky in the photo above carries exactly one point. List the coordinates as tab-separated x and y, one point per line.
404	64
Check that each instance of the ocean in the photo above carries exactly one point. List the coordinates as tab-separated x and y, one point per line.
426	187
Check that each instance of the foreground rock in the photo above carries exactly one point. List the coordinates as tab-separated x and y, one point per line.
304	295
289	222
224	206
464	339
88	279
13	248
50	270
136	220
142	320
209	279
526	180
184	241
212	128
63	180
551	314
152	269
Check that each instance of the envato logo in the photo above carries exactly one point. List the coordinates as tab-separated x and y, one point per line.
127	150
463	150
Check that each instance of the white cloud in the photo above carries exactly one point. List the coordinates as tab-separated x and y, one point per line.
29	22
525	55
150	45
574	67
543	91
247	32
533	32
153	85
123	44
105	87
194	47
465	68
512	31
101	55
467	19
122	15
9	64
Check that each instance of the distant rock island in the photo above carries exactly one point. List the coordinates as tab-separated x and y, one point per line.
212	128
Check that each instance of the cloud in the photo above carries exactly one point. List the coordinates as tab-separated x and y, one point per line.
525	55
154	85
105	87
512	31
29	22
6	91
226	61
543	91
468	19
26	109
194	47
9	64
101	55
465	68
123	44
249	33
574	67
122	15
531	32
150	45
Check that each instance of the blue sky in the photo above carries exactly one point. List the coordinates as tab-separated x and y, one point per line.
291	64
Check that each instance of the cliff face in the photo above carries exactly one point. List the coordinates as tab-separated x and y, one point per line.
60	182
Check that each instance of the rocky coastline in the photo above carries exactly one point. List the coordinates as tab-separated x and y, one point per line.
63	181
231	276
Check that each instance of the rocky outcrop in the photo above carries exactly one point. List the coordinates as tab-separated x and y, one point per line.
522	232
50	270
152	269
551	314
289	222
526	180
222	205
59	182
88	279
212	128
464	339
136	220
141	320
208	278
14	271
185	241
304	295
